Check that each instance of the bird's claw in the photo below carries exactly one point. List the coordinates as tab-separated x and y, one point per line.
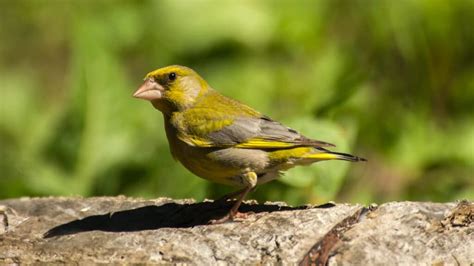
222	220
238	216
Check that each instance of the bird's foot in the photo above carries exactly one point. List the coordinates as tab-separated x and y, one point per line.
238	216
222	220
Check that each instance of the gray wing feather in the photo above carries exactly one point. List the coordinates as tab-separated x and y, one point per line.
243	129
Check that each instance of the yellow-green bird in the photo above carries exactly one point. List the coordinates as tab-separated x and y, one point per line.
223	140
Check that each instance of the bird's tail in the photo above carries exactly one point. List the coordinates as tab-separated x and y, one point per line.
331	155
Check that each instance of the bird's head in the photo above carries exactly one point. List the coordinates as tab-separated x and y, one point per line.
172	88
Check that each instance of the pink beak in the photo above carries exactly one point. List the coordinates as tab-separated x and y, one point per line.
149	90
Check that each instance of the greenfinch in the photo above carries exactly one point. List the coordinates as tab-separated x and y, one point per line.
222	140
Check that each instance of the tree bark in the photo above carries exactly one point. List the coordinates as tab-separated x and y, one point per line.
125	230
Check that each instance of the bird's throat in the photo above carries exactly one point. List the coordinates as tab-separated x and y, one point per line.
163	106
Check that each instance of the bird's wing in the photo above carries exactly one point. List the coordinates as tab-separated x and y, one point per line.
271	134
219	129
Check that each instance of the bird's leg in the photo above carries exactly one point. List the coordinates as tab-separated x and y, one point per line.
250	180
230	195
233	195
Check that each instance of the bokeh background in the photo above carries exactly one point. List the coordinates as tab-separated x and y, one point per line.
392	81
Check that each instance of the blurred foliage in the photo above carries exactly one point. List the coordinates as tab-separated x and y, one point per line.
392	81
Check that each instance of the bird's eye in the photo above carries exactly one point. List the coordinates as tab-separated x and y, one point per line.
172	76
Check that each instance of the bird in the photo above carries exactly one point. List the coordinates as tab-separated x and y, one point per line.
223	140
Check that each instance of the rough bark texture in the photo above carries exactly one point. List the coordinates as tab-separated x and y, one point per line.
124	230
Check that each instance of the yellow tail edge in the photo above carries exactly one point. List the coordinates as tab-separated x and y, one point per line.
335	156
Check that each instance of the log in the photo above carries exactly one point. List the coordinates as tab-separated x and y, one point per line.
119	230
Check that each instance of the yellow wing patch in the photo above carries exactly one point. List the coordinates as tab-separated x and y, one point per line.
259	143
196	142
255	143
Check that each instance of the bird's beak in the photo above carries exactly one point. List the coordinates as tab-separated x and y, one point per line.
149	90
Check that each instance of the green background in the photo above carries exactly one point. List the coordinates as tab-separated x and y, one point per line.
391	81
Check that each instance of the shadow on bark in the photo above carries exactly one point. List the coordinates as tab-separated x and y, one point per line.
171	215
